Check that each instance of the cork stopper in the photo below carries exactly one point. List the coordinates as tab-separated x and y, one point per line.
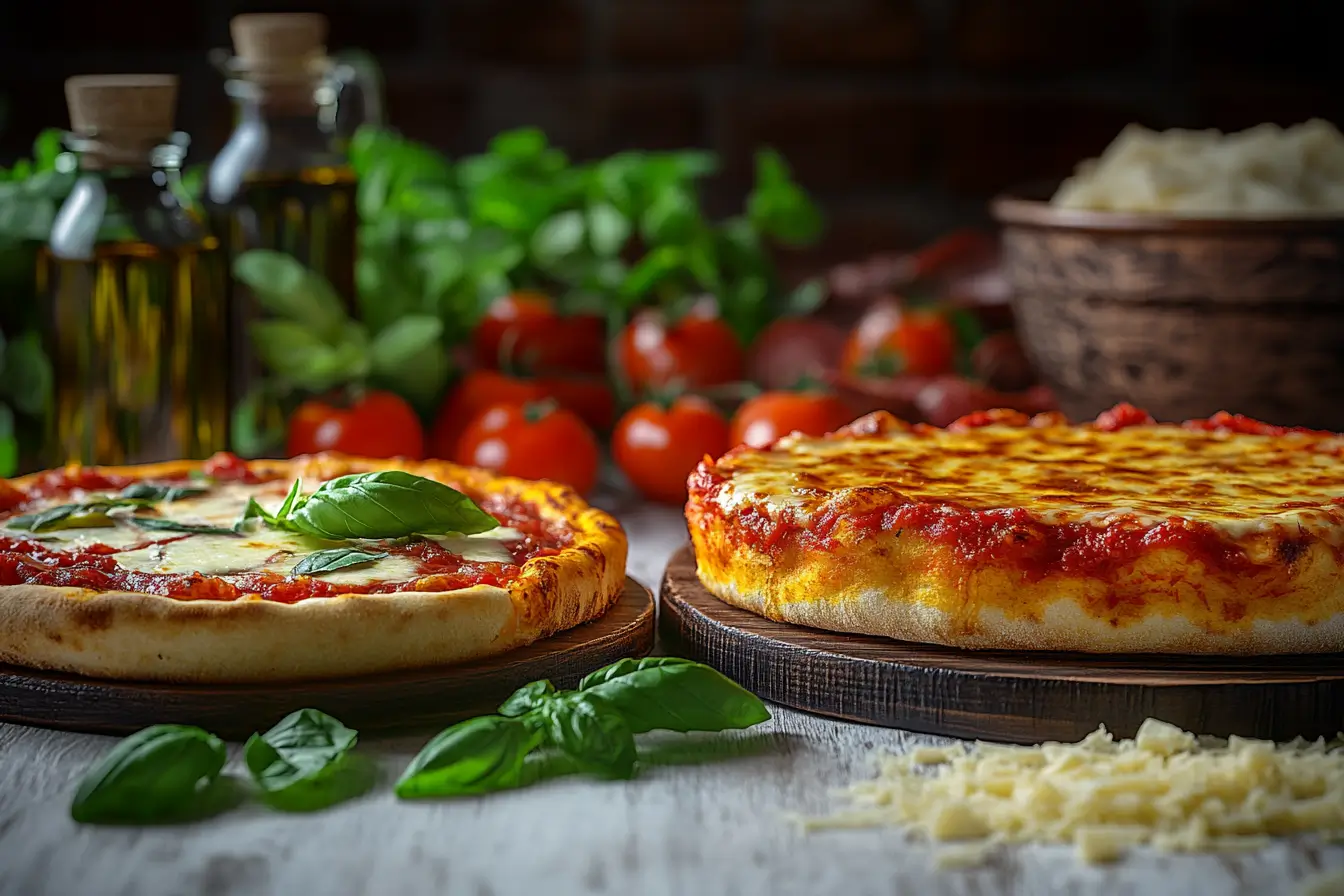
278	44
122	116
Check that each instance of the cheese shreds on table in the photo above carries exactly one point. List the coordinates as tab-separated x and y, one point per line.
1164	788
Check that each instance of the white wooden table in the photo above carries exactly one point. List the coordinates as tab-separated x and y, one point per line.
717	828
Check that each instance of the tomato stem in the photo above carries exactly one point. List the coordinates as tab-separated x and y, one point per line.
536	411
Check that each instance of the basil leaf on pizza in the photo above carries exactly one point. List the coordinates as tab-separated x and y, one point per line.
159	524
320	562
64	516
674	694
592	732
304	763
386	504
476	756
161	773
527	698
148	491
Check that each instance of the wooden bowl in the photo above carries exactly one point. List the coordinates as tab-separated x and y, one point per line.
1179	316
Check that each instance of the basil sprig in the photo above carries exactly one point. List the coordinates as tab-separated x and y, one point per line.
148	491
159	524
386	504
304	762
158	774
88	515
593	727
321	562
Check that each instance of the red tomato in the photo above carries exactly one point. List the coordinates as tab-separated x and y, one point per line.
699	350
375	424
588	396
771	415
657	448
523	329
532	441
477	391
890	340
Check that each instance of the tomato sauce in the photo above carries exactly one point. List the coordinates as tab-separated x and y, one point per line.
25	560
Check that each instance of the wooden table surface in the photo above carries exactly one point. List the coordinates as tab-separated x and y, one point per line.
717	828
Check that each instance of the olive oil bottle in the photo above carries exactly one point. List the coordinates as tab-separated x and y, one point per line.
133	288
282	181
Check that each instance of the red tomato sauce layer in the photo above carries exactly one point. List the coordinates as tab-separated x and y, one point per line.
24	560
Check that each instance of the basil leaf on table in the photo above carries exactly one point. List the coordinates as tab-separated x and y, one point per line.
303	763
592	732
157	774
146	491
527	698
320	562
387	504
476	756
159	524
674	694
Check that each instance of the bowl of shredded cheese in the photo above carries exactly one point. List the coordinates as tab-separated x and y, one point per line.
1188	272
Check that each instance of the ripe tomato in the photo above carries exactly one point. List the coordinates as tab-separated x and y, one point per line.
523	329
533	441
375	424
770	415
658	448
588	396
890	340
699	350
477	391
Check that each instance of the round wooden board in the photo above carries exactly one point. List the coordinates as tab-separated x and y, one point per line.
1017	697
416	699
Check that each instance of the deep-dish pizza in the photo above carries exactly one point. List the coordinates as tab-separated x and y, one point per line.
249	571
1217	536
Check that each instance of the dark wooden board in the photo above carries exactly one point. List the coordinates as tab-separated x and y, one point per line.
1020	697
410	700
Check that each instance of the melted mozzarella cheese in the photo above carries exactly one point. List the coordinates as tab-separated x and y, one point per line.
264	549
1242	484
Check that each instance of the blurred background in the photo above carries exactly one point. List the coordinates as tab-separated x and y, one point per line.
779	208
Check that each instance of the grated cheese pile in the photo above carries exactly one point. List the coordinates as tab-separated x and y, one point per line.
1164	788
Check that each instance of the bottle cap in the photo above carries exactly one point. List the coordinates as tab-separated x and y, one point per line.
278	43
123	116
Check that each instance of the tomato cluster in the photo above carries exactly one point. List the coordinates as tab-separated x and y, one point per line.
539	390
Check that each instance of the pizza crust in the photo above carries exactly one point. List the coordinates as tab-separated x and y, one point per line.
128	635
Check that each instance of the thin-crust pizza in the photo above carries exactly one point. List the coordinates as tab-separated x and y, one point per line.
185	588
1217	536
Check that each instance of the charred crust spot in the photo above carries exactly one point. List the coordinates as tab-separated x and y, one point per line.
1290	550
93	617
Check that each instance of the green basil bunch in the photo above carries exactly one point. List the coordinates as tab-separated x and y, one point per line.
594	727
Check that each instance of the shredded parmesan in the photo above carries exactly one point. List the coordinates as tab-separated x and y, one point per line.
1164	788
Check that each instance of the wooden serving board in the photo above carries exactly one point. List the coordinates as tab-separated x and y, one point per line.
1018	697
415	699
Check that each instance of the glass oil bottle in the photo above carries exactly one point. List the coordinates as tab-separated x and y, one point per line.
133	288
282	181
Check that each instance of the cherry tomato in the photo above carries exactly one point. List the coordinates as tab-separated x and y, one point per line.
477	391
793	348
770	415
891	340
658	447
588	396
524	329
699	350
375	424
539	440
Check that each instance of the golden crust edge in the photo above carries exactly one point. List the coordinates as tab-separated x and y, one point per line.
130	635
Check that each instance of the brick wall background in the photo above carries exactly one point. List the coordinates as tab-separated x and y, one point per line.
901	115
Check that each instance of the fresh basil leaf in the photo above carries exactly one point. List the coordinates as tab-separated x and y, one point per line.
283	286
27	375
401	341
292	499
159	524
47	148
300	764
300	356
421	377
258	425
476	756
387	504
674	694
672	217
560	237
320	562
156	774
527	698
520	143
778	207
148	491
64	516
254	511
651	270
806	298
608	229
591	731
